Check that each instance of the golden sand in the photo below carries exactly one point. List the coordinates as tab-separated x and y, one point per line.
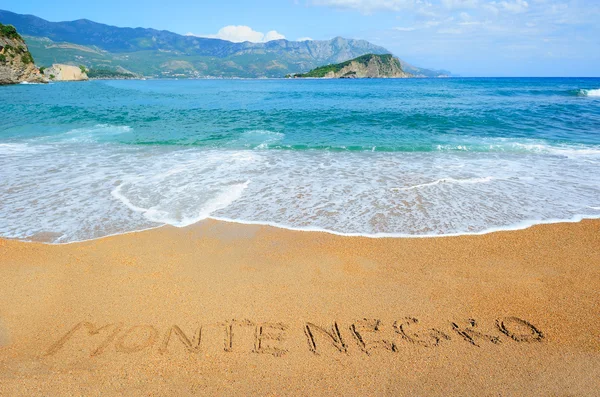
231	309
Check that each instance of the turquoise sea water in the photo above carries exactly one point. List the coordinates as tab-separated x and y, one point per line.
369	157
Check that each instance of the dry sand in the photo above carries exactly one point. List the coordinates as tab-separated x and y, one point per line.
230	309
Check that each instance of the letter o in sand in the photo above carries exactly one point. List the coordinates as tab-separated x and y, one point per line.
136	339
519	330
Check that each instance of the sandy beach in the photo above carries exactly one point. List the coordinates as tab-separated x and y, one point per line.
223	309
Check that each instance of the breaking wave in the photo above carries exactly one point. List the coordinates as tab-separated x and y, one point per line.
589	93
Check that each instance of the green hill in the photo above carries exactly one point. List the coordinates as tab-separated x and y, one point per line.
161	53
365	66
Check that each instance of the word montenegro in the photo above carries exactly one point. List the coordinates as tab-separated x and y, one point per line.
277	339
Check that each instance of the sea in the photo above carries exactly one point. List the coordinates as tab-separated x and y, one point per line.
372	157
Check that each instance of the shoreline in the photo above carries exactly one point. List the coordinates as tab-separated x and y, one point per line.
516	227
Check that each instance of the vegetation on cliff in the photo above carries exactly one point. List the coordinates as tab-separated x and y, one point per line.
9	32
335	68
16	62
365	66
109	74
8	50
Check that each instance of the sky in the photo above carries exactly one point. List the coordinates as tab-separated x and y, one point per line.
467	37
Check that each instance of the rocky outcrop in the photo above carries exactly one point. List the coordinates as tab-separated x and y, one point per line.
366	66
60	72
378	66
16	62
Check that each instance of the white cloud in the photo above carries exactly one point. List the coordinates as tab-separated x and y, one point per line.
241	33
449	31
471	23
516	6
430	24
425	25
369	5
426	11
460	4
304	39
273	35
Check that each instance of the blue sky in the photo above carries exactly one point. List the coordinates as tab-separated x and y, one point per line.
468	37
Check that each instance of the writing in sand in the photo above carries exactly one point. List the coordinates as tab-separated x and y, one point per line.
245	336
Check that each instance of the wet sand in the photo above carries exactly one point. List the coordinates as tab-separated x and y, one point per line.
221	308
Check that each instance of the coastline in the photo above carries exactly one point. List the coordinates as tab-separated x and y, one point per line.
512	228
288	312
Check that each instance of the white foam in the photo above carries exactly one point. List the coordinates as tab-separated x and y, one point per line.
516	226
86	191
445	181
564	150
156	214
259	139
221	201
12	148
116	193
591	93
514	145
86	134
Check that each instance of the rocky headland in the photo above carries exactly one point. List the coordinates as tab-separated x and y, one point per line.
16	62
366	66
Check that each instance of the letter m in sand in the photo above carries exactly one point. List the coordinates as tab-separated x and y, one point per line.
109	332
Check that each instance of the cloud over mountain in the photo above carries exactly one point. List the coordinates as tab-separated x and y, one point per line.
241	33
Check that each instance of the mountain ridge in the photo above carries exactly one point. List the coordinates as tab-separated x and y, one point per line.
161	53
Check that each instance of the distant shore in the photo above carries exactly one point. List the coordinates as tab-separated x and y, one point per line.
223	308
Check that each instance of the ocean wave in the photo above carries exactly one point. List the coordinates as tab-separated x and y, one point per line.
13	147
19	148
470	144
105	190
98	130
589	93
512	145
394	163
162	212
526	224
445	181
258	139
92	134
274	141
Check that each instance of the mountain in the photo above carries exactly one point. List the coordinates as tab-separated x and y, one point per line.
16	62
365	66
161	53
273	59
420	72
